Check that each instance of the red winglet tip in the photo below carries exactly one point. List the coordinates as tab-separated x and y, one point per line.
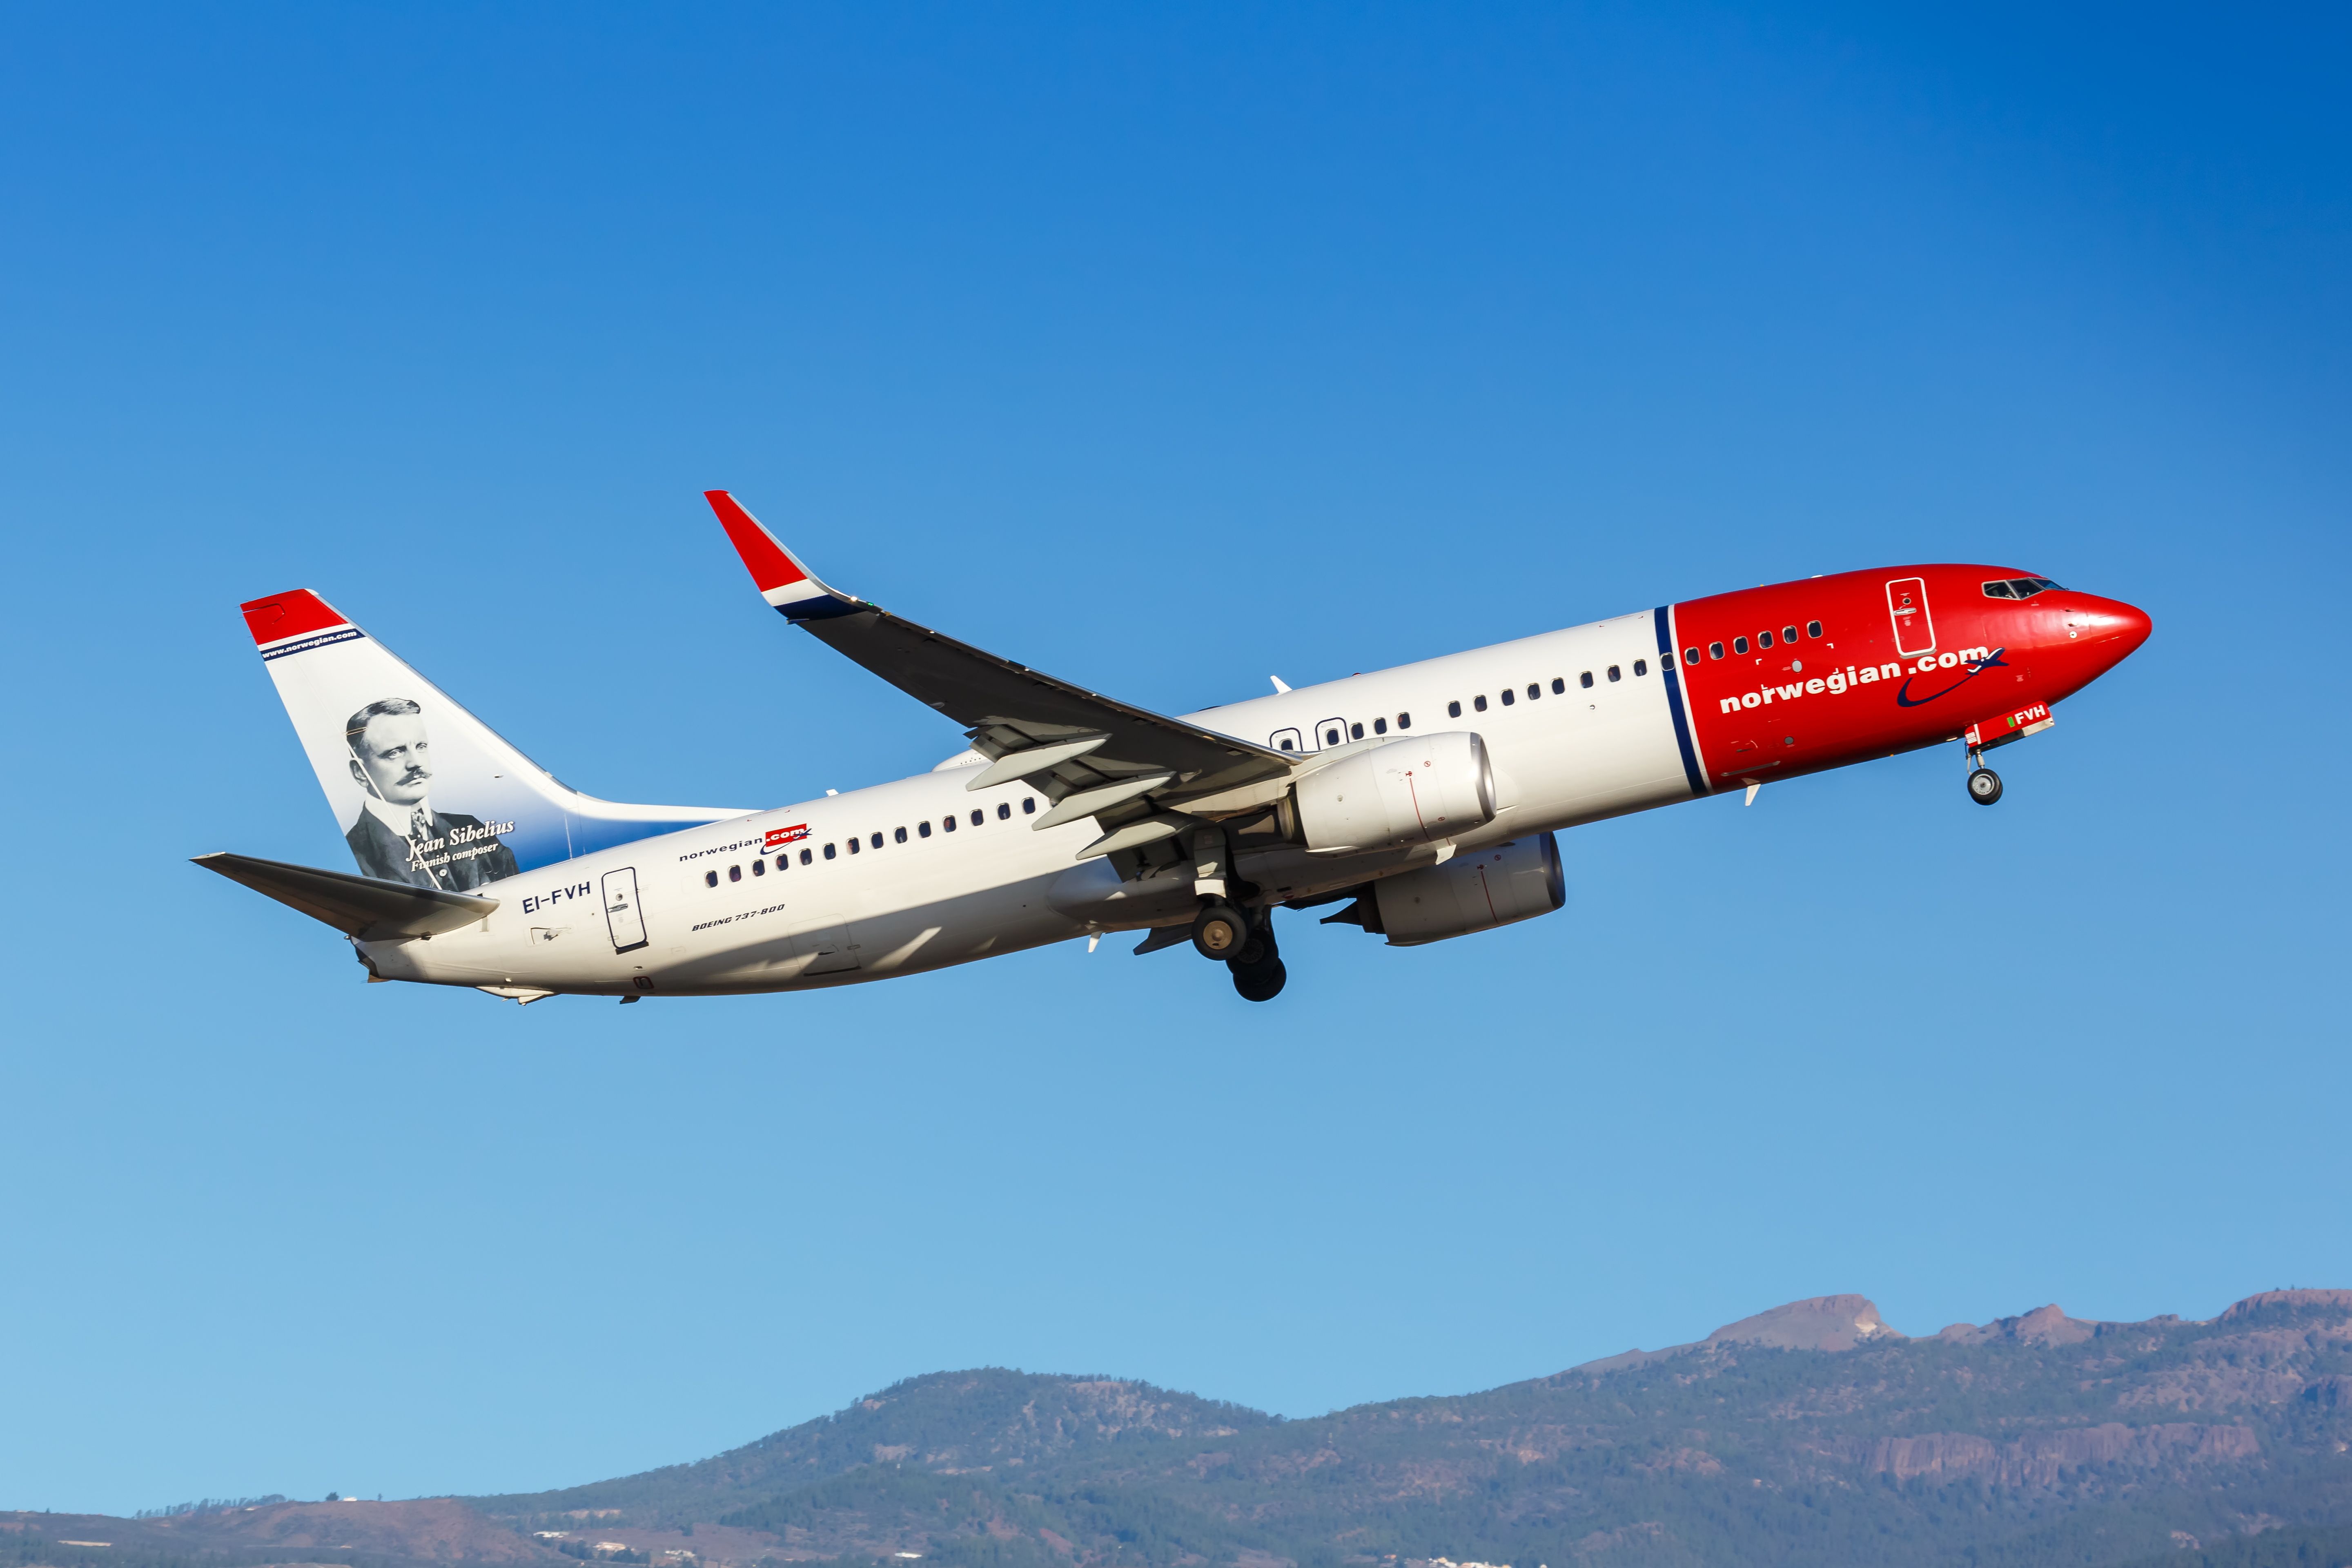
289	615
770	567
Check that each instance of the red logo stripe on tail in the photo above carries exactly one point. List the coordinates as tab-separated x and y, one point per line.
283	616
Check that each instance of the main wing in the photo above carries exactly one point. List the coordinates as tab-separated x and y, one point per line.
1141	775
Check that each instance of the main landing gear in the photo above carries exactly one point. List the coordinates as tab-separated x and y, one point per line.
1219	931
1984	785
1243	945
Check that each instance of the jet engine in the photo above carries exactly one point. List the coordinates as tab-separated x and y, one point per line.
1511	881
1418	789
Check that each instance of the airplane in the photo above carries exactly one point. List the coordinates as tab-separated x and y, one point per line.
1425	800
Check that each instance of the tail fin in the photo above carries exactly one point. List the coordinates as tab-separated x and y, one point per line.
425	792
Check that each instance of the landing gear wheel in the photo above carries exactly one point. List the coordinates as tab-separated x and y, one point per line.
1984	787
1219	933
1260	982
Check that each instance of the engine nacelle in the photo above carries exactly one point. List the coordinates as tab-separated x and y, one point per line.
1417	789
1512	881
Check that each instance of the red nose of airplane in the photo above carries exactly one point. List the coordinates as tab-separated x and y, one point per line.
2112	628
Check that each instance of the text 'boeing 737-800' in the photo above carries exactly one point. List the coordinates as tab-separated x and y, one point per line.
1424	798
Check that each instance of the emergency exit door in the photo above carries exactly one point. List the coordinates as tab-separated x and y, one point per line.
622	916
1907	601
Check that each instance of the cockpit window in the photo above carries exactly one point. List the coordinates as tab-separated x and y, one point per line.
2019	588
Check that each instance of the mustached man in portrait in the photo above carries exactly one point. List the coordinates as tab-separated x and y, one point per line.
399	837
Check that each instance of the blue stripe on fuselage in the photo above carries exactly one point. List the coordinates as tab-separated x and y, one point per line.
1666	667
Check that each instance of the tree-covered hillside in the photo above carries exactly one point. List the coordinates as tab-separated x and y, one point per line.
2036	1441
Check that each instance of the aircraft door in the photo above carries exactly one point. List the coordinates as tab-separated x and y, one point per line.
1907	601
623	918
1330	733
828	948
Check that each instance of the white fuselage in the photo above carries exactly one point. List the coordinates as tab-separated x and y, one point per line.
774	920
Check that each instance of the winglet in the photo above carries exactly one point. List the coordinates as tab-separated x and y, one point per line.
792	588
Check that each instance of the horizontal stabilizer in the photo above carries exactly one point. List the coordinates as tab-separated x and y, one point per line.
365	907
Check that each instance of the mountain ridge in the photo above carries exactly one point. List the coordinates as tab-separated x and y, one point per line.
2034	1437
1812	1433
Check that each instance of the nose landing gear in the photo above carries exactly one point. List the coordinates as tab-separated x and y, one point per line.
1984	785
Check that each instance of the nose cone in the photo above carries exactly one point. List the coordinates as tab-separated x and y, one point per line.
2110	629
2119	626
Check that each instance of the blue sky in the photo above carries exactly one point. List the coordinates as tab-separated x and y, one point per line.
1165	349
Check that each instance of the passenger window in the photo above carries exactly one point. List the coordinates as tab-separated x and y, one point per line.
1690	655
1004	810
1558	686
948	823
1380	726
1479	702
1812	628
1788	634
759	868
978	817
805	855
1641	666
710	879
1028	805
828	851
1404	721
1739	645
1330	737
878	841
1286	743
1764	639
784	861
1585	680
898	834
1454	709
1508	698
1614	674
1715	650
853	847
734	873
923	828
1535	690
1356	731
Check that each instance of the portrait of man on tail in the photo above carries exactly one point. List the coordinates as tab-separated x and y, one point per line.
399	837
